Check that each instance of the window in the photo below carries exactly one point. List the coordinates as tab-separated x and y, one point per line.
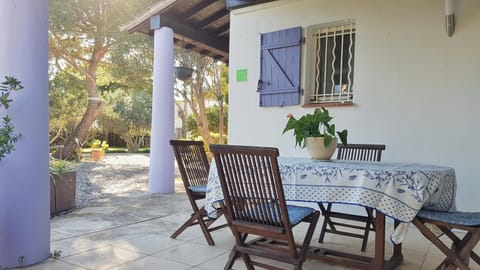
330	63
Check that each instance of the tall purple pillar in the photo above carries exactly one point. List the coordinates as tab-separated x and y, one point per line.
24	174
162	174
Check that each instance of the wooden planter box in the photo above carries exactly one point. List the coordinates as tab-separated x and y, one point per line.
97	154
62	192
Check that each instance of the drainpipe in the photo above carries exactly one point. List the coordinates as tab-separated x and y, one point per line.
24	174
449	17
162	168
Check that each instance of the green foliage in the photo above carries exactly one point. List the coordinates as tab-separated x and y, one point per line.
56	254
8	137
10	84
67	102
212	118
97	144
314	125
129	115
86	44
58	166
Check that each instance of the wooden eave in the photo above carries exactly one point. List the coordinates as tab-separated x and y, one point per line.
199	25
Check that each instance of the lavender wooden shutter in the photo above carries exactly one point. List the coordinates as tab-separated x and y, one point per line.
279	83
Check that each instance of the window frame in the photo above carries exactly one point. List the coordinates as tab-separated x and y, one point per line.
310	61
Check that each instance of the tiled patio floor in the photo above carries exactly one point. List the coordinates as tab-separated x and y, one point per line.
132	232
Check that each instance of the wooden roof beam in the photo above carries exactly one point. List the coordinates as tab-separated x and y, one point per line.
197	8
214	17
222	30
201	36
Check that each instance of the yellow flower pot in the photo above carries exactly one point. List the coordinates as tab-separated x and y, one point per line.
97	154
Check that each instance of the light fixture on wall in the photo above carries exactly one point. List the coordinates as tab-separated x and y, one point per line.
449	17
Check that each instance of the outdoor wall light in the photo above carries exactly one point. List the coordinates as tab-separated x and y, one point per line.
449	17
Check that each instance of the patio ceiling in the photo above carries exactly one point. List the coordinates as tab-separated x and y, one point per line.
199	25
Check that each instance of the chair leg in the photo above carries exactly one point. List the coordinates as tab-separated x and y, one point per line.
185	225
457	240
204	228
196	218
248	261
326	220
308	238
365	236
231	260
465	247
440	245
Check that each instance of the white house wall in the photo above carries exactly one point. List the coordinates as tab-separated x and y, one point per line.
416	89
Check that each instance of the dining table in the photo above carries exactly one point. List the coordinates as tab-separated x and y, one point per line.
394	189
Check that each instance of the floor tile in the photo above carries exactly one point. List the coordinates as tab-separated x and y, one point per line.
151	263
52	264
190	253
103	258
149	244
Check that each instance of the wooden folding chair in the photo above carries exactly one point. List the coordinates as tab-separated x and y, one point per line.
194	167
461	250
363	152
255	205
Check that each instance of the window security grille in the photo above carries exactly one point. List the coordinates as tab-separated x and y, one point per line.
334	61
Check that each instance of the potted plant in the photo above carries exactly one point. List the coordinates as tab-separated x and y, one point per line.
98	149
63	183
8	137
316	132
183	73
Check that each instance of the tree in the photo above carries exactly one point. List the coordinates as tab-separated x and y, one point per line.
129	115
213	118
66	100
202	87
82	36
219	89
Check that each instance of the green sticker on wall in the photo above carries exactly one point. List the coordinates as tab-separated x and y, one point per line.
242	75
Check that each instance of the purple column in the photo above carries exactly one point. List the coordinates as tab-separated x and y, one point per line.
161	157
24	174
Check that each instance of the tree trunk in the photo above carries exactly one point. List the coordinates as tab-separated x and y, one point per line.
131	145
202	123
220	124
80	132
184	119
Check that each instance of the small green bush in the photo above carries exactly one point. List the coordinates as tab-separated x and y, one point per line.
58	166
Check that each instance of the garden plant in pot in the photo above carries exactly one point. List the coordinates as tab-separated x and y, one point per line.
317	133
63	185
98	149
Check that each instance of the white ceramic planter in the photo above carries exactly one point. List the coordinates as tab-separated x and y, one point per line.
317	149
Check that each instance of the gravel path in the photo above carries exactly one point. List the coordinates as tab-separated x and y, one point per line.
116	174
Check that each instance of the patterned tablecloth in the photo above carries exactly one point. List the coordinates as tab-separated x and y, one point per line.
398	190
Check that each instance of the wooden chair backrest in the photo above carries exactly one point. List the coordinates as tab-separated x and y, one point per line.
252	187
192	162
363	152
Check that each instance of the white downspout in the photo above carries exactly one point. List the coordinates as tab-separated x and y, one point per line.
449	17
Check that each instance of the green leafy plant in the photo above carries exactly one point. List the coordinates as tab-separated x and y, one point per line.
317	124
58	166
96	144
56	254
8	137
